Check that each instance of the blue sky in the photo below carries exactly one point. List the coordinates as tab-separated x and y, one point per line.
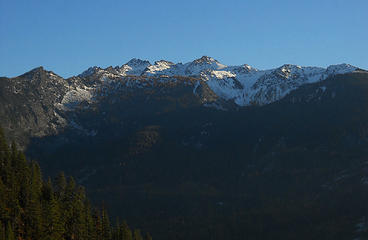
68	36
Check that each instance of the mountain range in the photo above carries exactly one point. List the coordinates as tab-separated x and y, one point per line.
213	85
202	150
244	85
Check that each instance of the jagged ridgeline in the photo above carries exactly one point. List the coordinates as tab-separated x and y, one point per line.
32	209
40	103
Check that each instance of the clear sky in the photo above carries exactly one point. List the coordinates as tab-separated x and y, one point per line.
68	36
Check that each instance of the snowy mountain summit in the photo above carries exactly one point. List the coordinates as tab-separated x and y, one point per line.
244	85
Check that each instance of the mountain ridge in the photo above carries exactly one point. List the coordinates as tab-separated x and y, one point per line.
50	103
242	84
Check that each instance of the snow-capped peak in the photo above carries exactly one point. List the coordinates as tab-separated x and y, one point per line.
340	68
242	69
134	62
202	64
205	59
134	67
287	70
90	71
246	66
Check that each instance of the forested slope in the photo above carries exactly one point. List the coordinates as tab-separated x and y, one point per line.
33	209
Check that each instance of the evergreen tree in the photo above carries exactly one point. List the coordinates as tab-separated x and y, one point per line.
13	153
126	233
89	221
98	225
2	231
12	202
137	234
68	209
60	186
52	225
33	208
148	236
79	224
4	152
23	177
106	228
116	230
9	232
4	211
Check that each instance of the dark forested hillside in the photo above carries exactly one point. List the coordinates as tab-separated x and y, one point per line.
32	208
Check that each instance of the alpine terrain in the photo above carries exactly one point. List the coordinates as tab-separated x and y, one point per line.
202	150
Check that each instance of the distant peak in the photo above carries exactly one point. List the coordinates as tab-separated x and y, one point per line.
205	59
341	68
341	65
248	67
160	62
34	71
89	71
38	69
39	72
109	68
288	66
137	61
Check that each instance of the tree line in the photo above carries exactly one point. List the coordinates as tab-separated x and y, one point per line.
32	208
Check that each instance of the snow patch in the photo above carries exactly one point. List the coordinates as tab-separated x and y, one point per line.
222	74
362	226
159	66
74	97
196	85
323	88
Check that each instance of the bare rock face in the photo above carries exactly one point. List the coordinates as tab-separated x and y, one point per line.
28	104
